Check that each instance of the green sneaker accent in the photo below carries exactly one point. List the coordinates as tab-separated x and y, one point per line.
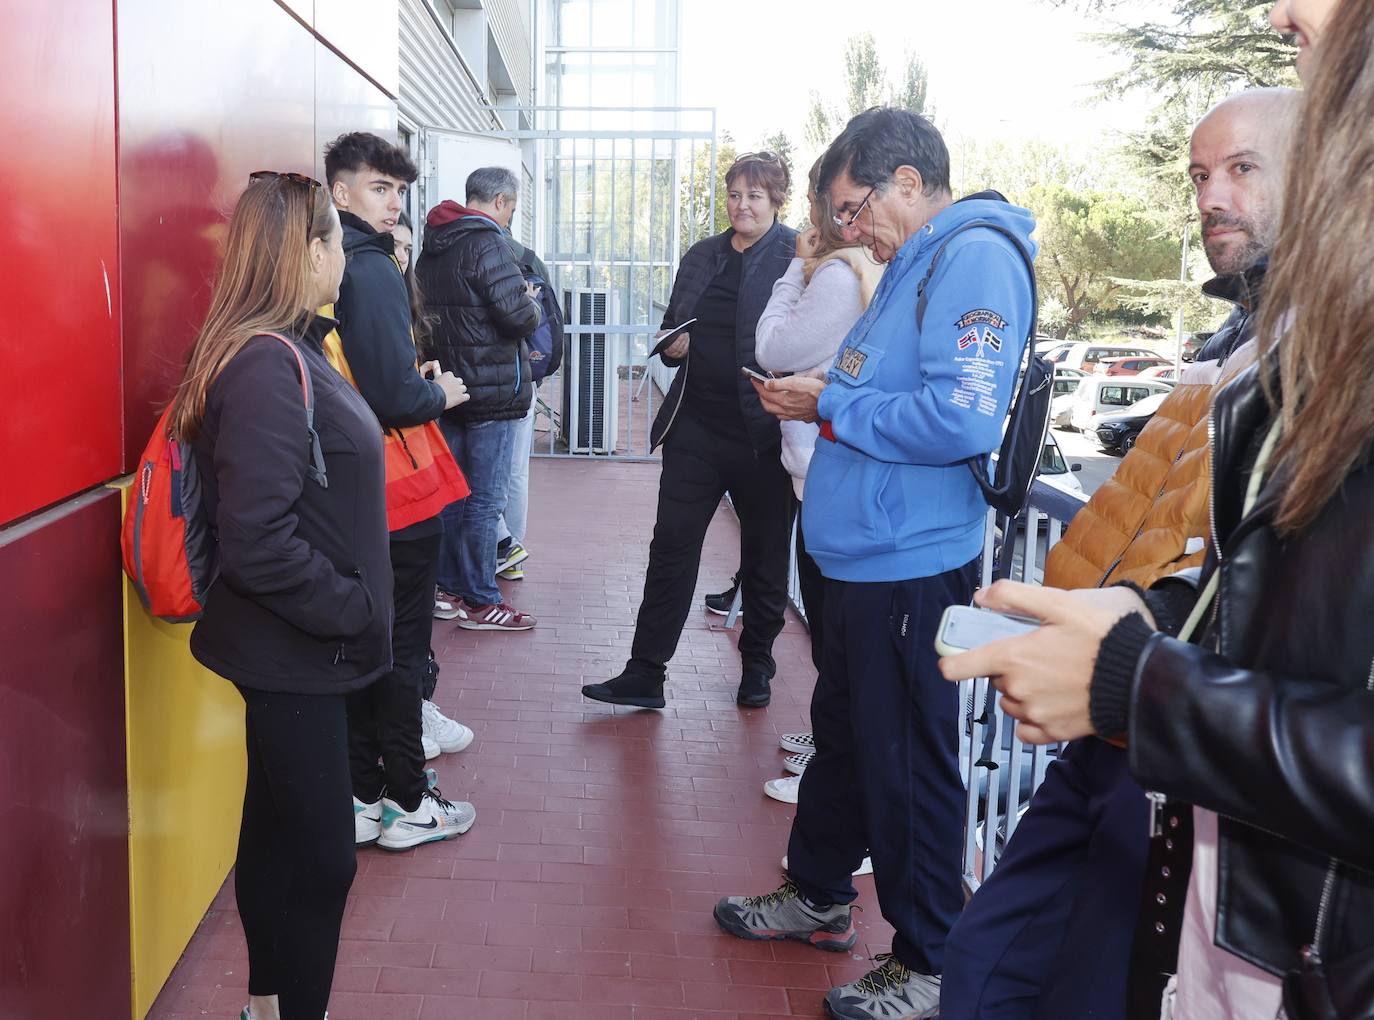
389	814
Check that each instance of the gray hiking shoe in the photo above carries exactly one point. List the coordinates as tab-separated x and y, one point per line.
785	914
890	991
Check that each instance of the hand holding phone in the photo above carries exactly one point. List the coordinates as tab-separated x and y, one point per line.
963	628
762	377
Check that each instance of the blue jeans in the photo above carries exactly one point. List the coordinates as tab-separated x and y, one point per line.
467	555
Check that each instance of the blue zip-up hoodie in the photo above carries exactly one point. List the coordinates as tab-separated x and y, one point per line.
890	499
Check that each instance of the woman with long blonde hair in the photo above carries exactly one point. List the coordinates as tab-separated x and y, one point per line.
1248	692
298	615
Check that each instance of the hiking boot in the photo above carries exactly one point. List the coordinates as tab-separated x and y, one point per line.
367	822
785	914
435	819
510	556
783	789
497	616
890	991
720	604
798	743
447	734
754	691
635	689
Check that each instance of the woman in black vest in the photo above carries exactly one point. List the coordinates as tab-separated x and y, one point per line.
716	439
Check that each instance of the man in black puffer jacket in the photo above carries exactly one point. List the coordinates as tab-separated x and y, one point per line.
483	313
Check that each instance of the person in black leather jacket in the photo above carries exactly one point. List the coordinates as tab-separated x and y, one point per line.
717	438
1263	719
482	313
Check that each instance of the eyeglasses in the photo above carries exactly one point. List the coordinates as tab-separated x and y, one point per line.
845	224
762	156
310	184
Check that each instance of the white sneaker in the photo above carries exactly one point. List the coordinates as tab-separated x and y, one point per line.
445	610
796	763
433	820
798	743
430	745
783	789
367	822
866	868
448	734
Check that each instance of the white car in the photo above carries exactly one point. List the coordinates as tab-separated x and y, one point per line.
1056	472
1098	395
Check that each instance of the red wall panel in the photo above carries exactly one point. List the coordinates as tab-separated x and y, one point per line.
195	120
64	869
59	272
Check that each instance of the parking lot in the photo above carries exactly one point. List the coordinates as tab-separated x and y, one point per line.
1079	448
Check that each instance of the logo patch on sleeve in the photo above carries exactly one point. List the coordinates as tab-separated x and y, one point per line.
981	317
851	362
991	339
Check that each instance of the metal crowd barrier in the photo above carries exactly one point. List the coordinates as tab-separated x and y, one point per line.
1000	772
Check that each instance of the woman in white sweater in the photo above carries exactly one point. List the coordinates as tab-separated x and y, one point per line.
814	305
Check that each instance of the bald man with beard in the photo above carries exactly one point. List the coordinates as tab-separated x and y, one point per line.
1081	917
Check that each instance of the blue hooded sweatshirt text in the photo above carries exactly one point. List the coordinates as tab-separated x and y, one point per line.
890	499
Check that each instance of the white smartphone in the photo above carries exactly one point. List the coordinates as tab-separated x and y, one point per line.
965	627
760	376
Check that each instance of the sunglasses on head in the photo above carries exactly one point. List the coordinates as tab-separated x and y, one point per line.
310	184
762	156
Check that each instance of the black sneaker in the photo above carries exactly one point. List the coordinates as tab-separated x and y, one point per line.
633	689
720	604
754	690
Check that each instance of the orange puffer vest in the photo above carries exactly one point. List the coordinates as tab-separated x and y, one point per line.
1138	526
421	475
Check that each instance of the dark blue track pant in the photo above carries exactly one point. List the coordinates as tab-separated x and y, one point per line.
1049	934
885	779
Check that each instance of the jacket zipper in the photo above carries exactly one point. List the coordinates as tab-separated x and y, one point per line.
1314	951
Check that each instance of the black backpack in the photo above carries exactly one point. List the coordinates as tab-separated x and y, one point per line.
546	342
1028	421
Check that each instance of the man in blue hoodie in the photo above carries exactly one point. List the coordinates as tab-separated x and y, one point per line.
921	385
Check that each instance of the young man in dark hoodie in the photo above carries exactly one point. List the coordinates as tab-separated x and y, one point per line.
393	804
483	313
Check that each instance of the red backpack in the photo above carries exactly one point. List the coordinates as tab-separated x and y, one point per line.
169	549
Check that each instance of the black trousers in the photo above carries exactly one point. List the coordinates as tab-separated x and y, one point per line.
384	718
295	858
699	467
812	586
885	780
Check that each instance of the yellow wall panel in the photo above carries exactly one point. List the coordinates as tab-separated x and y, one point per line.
186	778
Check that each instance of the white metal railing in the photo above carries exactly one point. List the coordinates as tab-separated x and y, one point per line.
993	763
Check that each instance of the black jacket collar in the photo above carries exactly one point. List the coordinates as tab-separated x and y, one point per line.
358	233
1241	289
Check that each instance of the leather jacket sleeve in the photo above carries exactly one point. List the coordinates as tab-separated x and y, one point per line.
1286	754
499	284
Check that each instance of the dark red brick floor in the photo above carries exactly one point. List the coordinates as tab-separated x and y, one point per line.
603	836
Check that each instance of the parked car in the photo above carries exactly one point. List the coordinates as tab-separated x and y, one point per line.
1089	357
1118	432
1066	382
1055	471
1046	345
1132	365
1168	372
1192	343
1100	395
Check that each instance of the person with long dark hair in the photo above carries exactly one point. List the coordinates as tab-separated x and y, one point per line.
300	614
717	438
1247	691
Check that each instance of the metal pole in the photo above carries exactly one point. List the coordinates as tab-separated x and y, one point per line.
1183	281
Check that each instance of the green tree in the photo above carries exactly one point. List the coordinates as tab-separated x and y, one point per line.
698	218
914	91
865	79
867	83
779	142
1097	249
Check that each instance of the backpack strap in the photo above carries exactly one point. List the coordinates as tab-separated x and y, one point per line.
316	469
921	288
